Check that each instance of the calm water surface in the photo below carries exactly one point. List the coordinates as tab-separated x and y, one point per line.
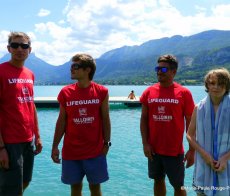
50	91
126	162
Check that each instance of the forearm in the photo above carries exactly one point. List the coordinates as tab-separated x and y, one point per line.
36	127
144	127
1	140
144	130
106	123
60	127
106	119
57	137
227	155
188	120
58	134
107	130
194	145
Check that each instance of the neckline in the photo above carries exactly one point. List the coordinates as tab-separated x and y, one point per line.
83	88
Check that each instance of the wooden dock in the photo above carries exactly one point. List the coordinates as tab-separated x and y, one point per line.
51	102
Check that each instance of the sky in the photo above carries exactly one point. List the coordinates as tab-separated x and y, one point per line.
61	28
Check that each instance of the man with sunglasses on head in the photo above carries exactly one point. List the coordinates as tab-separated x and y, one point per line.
18	118
166	111
84	123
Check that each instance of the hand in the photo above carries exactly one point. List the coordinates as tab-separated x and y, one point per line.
38	146
189	158
55	155
4	159
221	164
148	151
209	160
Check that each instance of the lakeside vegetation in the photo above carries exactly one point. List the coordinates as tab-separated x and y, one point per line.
134	65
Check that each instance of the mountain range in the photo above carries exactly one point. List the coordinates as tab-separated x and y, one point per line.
135	64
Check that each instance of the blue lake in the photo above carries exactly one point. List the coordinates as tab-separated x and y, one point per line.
126	162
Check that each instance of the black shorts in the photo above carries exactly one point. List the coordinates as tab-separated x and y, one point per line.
21	161
172	166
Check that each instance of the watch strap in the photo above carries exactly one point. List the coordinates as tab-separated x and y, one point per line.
107	143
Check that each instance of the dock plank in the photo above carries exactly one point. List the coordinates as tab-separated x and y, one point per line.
52	101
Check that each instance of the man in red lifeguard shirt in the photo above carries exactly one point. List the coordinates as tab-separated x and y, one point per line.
18	118
85	124
166	108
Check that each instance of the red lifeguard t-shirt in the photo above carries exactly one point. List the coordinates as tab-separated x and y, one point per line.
83	137
16	104
167	107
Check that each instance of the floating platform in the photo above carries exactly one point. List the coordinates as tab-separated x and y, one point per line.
51	102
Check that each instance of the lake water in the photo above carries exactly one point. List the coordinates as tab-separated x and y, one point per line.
126	162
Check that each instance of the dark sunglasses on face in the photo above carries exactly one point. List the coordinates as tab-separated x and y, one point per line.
16	45
76	66
162	69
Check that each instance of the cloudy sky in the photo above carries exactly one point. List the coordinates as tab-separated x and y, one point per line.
61	28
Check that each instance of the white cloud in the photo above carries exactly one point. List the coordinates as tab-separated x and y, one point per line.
61	22
222	11
3	42
114	23
54	53
55	31
43	13
200	9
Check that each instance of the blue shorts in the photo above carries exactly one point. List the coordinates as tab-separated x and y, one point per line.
95	170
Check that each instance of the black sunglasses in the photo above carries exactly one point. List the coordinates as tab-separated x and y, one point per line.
76	66
16	45
162	69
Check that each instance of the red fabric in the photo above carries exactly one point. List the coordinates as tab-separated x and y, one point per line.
16	103
167	107
84	134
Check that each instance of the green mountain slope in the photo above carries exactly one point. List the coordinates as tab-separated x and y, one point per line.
135	64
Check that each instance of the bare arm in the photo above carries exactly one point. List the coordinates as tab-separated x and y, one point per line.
4	159
1	139
38	142
191	137
106	122
189	156
59	132
145	132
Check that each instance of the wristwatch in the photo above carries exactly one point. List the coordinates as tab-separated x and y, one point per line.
107	143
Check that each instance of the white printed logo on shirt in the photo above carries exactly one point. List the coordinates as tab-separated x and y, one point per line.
83	119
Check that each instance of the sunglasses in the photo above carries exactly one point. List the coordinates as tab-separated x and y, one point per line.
76	66
16	45
162	69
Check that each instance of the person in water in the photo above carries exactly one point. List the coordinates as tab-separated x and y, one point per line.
132	95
